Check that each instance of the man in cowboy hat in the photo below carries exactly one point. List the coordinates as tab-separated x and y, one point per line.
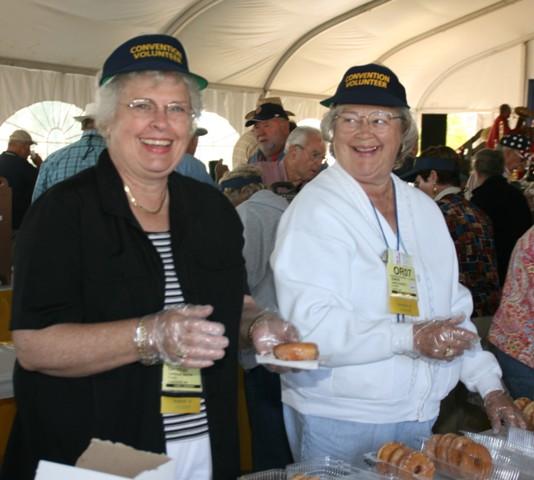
73	158
270	124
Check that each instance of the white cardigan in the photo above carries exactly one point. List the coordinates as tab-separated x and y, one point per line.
331	283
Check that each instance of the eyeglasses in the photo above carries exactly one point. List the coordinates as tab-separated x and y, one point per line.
147	108
378	121
315	155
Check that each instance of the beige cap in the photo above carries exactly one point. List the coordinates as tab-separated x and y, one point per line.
21	136
89	112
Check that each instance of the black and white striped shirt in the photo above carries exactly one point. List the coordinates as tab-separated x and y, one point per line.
177	426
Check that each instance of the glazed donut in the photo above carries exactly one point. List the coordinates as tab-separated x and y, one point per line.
456	450
430	445
475	462
442	447
528	413
416	465
521	402
383	455
528	408
397	455
302	476
296	351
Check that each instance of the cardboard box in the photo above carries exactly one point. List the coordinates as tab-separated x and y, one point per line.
105	460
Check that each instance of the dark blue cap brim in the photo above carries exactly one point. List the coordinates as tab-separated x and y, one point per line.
364	96
260	117
159	66
423	164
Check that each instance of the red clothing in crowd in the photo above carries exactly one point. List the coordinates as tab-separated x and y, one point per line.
499	129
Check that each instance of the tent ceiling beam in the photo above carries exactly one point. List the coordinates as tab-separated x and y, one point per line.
175	26
446	26
316	31
467	61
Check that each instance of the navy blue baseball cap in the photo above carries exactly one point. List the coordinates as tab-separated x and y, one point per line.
266	112
370	84
149	52
422	164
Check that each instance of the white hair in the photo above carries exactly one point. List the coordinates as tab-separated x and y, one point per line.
300	135
107	95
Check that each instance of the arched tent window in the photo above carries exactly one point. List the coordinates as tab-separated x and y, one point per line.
51	124
220	140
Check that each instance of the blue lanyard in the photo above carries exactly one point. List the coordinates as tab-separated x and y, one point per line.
396	219
399	317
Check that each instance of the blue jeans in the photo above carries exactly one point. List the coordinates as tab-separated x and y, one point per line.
518	377
312	437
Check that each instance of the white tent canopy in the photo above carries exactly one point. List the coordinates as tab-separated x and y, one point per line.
452	55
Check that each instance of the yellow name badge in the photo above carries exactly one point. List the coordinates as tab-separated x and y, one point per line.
402	284
178	380
180	404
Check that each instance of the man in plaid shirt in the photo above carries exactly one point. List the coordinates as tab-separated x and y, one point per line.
73	158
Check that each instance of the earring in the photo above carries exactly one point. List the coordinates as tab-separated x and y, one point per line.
434	189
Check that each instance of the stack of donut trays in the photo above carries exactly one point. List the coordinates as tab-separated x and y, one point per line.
469	456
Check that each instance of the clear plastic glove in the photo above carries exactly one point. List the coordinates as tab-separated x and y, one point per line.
442	339
501	411
184	337
269	330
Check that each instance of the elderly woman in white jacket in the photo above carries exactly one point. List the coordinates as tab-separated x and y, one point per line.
364	266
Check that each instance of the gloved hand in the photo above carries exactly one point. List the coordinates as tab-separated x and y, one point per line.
269	330
501	411
442	339
182	336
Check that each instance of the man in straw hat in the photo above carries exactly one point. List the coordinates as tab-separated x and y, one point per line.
73	158
270	124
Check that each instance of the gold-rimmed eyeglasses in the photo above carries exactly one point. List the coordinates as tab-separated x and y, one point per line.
378	121
147	108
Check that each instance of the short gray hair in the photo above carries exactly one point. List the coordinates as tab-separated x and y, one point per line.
107	95
489	162
300	135
409	130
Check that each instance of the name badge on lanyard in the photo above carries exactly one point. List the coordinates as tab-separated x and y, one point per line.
181	389
402	285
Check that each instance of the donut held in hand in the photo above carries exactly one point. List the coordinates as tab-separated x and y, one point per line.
296	351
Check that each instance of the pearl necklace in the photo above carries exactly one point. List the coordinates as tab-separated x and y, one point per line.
136	204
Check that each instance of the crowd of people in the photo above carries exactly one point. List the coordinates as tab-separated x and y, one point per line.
142	281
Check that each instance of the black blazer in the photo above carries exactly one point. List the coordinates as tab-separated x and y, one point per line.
82	256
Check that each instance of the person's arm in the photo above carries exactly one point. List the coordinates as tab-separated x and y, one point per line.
182	336
76	350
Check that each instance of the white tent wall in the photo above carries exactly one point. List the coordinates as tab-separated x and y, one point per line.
21	87
451	55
